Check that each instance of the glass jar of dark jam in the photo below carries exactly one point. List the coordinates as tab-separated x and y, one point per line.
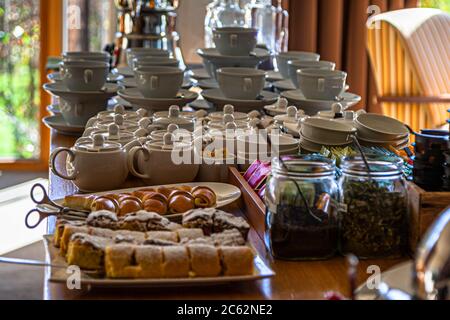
302	200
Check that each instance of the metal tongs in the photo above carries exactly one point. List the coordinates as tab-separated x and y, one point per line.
47	208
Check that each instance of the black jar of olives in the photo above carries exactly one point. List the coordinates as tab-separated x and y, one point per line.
302	200
374	222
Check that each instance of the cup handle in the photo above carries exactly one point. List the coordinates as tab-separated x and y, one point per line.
234	40
55	171
154	82
132	155
88	76
248	84
321	85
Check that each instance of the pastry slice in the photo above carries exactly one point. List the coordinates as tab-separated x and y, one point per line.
237	261
87	251
176	262
189	234
67	234
162	235
79	201
199	218
205	261
120	262
226	221
102	219
150	261
228	238
59	229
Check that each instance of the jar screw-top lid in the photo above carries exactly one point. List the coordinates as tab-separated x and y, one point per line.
142	113
172	128
119	109
144	122
228	118
118	119
282	103
113	131
228	109
292	112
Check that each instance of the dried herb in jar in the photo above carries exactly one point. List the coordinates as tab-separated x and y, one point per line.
375	223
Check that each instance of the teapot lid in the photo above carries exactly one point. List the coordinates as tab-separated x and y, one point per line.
174	117
290	116
168	143
97	143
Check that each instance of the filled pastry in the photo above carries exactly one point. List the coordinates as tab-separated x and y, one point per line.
180	202
204	197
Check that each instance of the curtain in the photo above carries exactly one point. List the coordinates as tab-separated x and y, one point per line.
337	30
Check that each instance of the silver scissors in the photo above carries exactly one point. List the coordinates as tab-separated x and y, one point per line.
46	208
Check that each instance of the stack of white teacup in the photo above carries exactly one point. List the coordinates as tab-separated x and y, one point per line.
83	90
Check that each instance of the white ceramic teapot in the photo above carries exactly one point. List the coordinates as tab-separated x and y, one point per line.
93	164
165	162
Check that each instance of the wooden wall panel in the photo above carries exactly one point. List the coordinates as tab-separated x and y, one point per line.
331	18
303	25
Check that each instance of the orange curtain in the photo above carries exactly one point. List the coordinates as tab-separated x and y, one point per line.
337	30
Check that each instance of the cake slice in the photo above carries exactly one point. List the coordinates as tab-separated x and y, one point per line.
205	261
237	261
87	251
176	262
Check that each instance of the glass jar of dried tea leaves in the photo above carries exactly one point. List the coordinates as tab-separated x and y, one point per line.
302	200
375	219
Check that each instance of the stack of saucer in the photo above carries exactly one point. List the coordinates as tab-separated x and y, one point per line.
82	91
317	132
383	131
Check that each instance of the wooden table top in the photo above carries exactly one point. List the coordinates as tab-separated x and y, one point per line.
293	280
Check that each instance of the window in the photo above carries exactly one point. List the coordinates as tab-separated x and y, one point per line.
439	4
19	80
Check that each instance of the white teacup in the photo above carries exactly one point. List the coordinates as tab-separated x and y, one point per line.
295	65
87	56
318	84
155	62
241	83
159	82
133	53
284	57
84	75
235	41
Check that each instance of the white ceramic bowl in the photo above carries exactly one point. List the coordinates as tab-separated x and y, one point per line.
378	127
328	132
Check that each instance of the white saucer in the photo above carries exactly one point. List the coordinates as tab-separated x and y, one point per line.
60	90
56	76
131	83
200	74
219	61
284	85
311	107
274	76
210	83
58	123
134	96
216	97
53	109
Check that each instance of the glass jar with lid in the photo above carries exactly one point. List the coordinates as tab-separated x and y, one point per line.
302	200
374	223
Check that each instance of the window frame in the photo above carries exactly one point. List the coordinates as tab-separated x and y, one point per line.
50	19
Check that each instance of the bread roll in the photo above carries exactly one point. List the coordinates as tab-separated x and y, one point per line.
181	202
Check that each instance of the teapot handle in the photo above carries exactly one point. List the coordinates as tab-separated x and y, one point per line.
132	156
55	171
